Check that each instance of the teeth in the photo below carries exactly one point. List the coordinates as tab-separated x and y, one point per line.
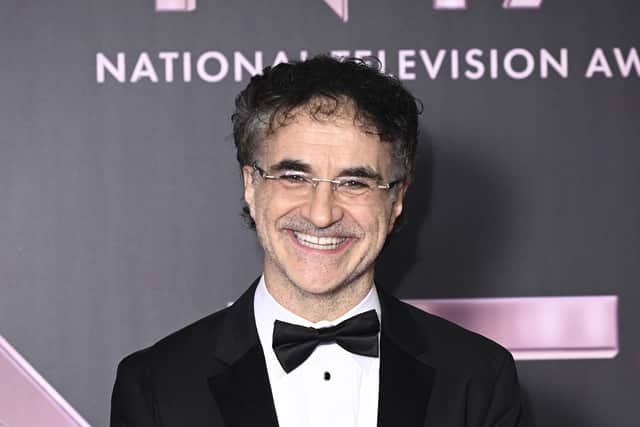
316	242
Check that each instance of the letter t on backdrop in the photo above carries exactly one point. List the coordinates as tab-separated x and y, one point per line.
507	4
522	4
175	5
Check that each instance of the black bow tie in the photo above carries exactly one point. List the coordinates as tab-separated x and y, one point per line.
293	344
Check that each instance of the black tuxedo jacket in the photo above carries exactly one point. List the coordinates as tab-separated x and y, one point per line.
213	373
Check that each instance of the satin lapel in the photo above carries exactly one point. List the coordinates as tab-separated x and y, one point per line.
239	381
243	392
405	379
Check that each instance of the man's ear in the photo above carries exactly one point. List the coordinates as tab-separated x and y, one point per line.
249	188
398	202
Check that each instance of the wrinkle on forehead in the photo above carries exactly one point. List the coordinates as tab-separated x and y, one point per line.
327	147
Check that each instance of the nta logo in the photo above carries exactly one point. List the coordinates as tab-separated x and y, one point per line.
341	7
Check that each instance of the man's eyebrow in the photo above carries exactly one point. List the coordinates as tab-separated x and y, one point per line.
361	172
299	166
290	165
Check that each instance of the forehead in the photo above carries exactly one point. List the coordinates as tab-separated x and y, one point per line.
329	143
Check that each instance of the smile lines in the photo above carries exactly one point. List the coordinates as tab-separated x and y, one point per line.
315	242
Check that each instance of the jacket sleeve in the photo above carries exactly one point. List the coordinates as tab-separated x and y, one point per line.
132	403
505	407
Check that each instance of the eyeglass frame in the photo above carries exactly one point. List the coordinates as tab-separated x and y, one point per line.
335	183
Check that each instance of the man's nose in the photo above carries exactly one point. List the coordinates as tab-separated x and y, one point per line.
321	208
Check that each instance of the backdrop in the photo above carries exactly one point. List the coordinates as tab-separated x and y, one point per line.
120	196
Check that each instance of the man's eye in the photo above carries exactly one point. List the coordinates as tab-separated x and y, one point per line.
355	183
293	178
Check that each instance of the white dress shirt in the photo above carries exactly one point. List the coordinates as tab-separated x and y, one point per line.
333	387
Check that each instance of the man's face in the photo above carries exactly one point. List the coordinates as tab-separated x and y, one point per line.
320	241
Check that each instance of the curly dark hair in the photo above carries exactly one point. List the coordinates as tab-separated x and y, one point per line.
324	87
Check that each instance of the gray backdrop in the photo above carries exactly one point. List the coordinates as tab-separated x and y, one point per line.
120	199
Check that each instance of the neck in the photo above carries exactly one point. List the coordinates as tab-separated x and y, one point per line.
316	307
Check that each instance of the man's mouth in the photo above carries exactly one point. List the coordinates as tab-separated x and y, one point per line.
320	243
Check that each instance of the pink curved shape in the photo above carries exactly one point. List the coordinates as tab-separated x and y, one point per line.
26	399
340	8
576	327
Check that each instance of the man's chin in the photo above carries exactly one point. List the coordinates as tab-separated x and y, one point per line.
317	287
320	284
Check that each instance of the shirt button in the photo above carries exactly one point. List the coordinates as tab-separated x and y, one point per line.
327	376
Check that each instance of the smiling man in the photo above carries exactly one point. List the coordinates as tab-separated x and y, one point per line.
326	149
321	237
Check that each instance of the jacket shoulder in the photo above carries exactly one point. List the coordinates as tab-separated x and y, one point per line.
197	338
451	346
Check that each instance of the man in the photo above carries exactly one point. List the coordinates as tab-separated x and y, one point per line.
326	149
